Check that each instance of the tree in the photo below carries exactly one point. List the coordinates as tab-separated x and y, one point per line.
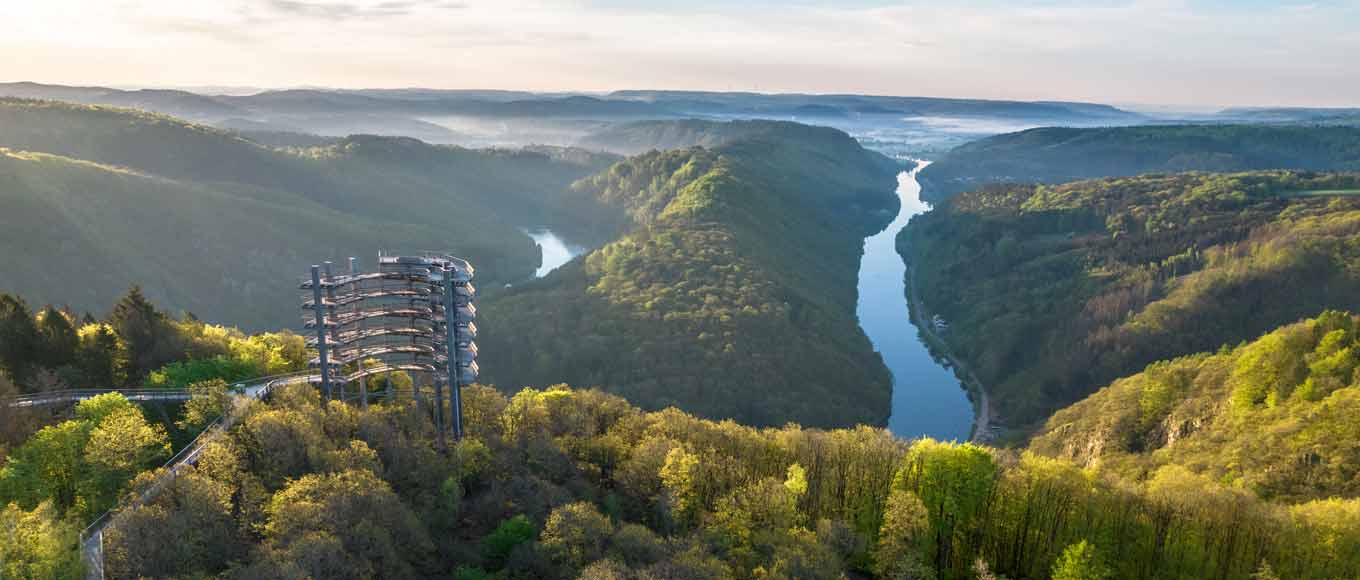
57	339
636	546
352	513
121	444
1080	562
49	466
208	400
15	423
99	355
496	546
143	331
952	481
37	545
680	475
185	531
905	524
19	341
575	534
85	462
605	570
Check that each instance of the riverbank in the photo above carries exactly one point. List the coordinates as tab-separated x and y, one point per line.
986	422
927	400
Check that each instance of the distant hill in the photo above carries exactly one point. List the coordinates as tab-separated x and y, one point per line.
1054	291
220	225
793	104
395	111
80	233
1315	115
1276	415
170	102
731	295
1059	154
643	136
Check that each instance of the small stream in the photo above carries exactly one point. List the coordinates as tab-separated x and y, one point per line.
927	399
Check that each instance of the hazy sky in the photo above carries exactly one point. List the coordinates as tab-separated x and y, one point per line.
1148	51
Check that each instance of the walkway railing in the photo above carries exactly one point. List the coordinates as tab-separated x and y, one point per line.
92	537
74	395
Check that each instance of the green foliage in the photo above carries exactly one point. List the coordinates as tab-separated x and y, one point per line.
732	294
186	530
187	373
1274	416
36	545
57	339
470	573
352	516
575	535
140	343
512	532
19	340
1109	276
1080	562
208	400
680	475
353	492
953	482
904	533
100	356
83	464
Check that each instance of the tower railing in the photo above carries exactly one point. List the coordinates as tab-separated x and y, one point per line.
413	314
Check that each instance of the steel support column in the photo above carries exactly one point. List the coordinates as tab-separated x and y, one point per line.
451	347
321	332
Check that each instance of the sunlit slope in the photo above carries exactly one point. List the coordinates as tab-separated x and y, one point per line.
378	176
77	233
1277	415
370	193
1054	291
733	295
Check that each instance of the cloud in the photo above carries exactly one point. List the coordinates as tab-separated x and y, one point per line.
1182	51
335	10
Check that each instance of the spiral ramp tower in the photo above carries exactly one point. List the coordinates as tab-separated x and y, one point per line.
414	314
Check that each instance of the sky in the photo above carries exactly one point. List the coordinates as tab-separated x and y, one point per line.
1199	53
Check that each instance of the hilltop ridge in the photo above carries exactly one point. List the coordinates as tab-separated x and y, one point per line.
220	226
732	292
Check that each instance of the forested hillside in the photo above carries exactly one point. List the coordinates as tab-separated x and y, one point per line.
1277	416
732	295
1054	291
220	226
579	484
561	483
1060	154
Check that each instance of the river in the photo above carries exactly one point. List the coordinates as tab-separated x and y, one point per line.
555	250
927	399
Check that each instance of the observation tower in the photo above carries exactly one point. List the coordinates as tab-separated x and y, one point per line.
414	314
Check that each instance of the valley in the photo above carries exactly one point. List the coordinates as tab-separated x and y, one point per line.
927	400
657	290
1052	291
739	307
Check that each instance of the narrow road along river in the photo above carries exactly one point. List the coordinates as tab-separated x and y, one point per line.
927	399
